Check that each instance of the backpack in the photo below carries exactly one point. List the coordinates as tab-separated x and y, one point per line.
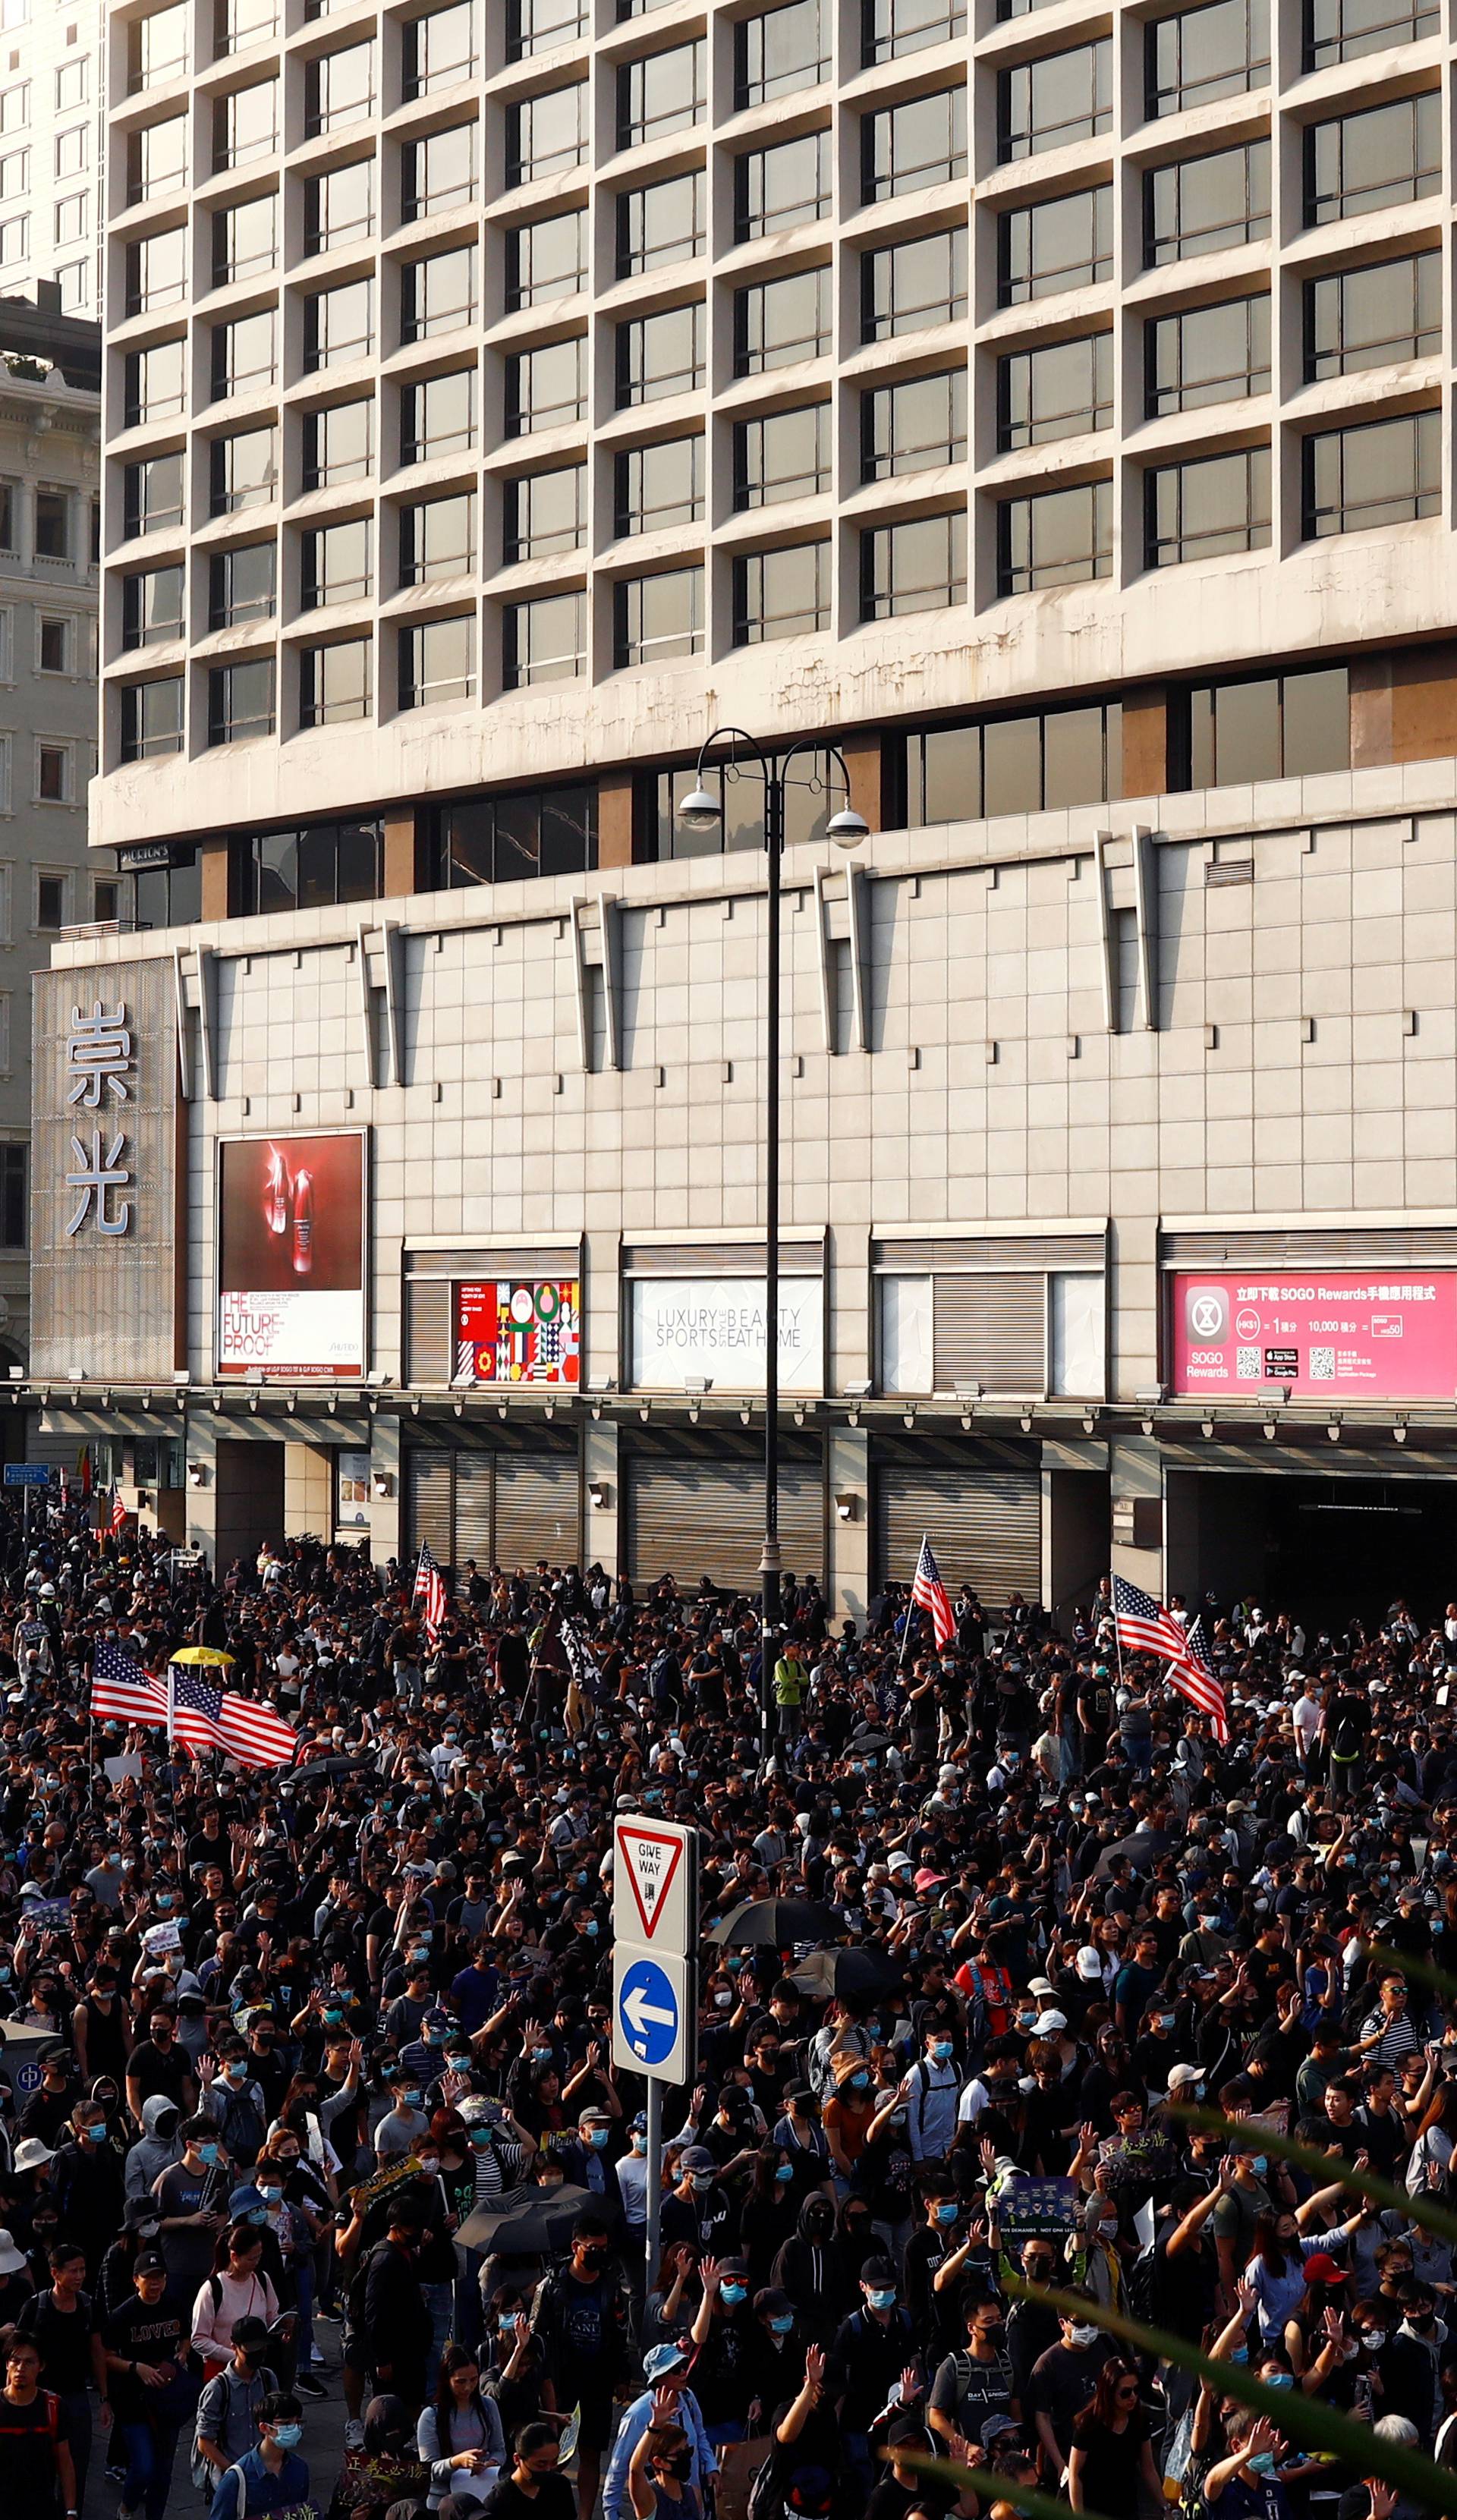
1141	2286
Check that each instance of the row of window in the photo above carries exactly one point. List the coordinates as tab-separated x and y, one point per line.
71	222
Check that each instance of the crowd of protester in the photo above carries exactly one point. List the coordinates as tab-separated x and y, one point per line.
309	2093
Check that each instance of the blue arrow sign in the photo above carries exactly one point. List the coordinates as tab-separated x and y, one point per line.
647	2012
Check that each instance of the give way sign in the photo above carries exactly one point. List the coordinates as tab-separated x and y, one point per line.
655	1884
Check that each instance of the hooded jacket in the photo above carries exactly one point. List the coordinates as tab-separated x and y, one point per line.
153	2153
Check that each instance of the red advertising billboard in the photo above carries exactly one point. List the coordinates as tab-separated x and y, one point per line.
291	1256
519	1329
1329	1333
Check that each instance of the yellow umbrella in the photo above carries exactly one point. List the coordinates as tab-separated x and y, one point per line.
200	1653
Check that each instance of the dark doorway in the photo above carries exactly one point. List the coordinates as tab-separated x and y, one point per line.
1329	1549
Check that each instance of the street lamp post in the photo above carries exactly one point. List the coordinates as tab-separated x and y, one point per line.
703	811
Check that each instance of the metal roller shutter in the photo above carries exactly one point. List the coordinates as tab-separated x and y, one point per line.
1415	1246
427	1502
693	1519
985	1527
472	1509
427	1332
992	1251
538	1510
991	1329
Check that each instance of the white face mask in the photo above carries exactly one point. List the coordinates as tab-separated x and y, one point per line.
1084	2335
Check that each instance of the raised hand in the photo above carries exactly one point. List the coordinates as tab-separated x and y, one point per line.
910	2385
814	2371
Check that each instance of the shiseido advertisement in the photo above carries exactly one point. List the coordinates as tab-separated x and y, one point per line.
291	1256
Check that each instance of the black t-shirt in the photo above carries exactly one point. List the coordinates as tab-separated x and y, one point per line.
157	2334
553	2499
63	2338
28	2438
155	2069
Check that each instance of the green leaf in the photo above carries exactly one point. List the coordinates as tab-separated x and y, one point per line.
1326	2172
991	2487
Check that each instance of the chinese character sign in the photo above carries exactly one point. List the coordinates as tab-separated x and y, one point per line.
1325	1333
511	1330
105	1172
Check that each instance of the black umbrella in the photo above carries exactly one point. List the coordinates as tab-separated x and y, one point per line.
531	2223
867	1739
1143	1849
847	1971
779	1922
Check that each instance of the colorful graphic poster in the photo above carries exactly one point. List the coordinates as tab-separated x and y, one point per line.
1330	1335
519	1329
291	1256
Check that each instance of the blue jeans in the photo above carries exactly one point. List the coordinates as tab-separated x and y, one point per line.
149	2453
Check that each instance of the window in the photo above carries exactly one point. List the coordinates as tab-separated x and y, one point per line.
336	563
547	134
1198	510
53	786
546	513
15	239
661	354
312	869
535	25
55	643
151	606
15	174
53	525
780	52
438	172
660	93
72	84
15	107
151	495
912	425
1057	538
1208	354
437	662
905	287
156	271
1204	205
1059	391
240	585
240	700
156	159
437	539
338	444
785	455
437	295
1373	161
70	152
781	188
335	683
778	322
8	521
243	356
1341	30
437	416
654	486
1368	317
662	224
242	472
14	1197
1066	243
1278	726
339	207
1059	98
919	567
70	221
440	51
1046	760
156	48
1203	54
509	839
1381	473
339	325
245	239
544	641
236	24
907	146
245	126
892	28
339	89
657	618
154	384
50	889
547	259
74	280
106	901
781	594
151	718
546	389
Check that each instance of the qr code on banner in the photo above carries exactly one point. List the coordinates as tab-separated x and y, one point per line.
1246	1365
1322	1365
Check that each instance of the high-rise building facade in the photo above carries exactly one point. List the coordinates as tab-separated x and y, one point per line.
500	395
52	139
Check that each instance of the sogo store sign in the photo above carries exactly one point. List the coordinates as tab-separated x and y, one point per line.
1324	1333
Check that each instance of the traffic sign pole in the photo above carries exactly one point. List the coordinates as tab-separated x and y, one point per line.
655	1999
655	2177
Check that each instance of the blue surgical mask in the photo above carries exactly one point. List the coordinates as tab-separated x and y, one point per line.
480	2136
1279	2379
1240	2354
597	2137
287	2436
780	2327
942	2051
733	2294
784	2172
1262	2463
946	2214
882	2298
1259	2164
206	2152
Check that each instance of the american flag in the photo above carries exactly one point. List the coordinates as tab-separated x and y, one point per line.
1193	1677
429	1590
206	1717
929	1592
117	1521
120	1690
1142	1625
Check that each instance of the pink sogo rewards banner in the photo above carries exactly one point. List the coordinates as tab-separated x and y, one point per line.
1327	1333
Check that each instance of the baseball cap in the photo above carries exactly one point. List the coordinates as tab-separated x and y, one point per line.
1040	1985
1088	1962
150	2261
1181	2075
1047	2023
249	2331
696	2157
1322	2268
